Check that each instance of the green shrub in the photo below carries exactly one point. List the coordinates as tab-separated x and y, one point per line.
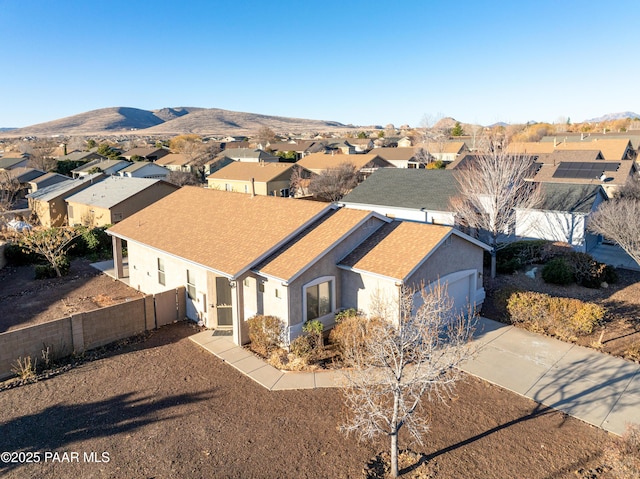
44	271
265	333
562	317
558	271
348	313
16	256
610	275
92	242
315	330
511	257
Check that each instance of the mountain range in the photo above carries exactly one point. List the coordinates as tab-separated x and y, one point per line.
172	121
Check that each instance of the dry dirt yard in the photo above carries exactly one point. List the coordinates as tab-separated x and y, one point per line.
165	408
25	301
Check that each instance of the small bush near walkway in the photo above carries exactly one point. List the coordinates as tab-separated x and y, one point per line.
265	333
565	318
623	457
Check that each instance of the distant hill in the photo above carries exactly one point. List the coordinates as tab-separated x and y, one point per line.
614	116
172	121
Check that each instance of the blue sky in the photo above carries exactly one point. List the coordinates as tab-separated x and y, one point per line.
359	62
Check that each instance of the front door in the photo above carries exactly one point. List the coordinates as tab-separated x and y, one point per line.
224	305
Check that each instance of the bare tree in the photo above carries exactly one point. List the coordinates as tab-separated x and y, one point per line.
333	184
619	221
412	356
183	178
299	182
41	154
490	188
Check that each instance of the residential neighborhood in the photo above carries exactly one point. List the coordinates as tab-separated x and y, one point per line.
261	252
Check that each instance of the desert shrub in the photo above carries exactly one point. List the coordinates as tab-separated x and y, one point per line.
265	333
436	165
302	347
352	332
623	456
633	352
24	368
610	275
558	271
565	318
552	250
16	256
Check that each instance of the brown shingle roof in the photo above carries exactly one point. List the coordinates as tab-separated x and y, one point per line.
232	233
396	249
292	259
320	161
529	147
244	171
173	159
611	149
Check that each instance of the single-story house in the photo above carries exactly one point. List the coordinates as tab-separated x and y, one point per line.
82	156
563	215
149	154
144	169
297	260
176	162
49	203
399	157
108	167
366	163
23	175
45	180
8	163
407	194
272	179
249	154
115	199
447	151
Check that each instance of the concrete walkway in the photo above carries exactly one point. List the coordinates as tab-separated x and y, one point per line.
597	388
615	256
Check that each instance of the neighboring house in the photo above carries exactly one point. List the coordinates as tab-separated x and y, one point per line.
405	142
108	167
115	199
366	164
271	179
447	151
399	157
149	154
49	203
632	136
23	175
562	216
176	162
45	180
82	156
584	167
617	149
361	145
297	260
9	163
144	169
407	194
249	154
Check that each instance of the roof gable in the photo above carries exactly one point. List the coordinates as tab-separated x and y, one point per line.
245	171
396	249
294	258
236	232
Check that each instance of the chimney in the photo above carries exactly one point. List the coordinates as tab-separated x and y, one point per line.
253	187
555	142
581	136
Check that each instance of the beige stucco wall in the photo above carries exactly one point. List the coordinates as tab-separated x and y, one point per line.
261	188
105	216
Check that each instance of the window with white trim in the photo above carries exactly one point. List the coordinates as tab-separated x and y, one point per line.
319	299
191	285
161	275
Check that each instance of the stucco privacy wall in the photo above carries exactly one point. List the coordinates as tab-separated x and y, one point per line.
92	329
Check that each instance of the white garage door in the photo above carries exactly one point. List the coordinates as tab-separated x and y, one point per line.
459	290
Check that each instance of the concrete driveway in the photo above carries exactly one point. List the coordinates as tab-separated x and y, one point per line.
614	255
